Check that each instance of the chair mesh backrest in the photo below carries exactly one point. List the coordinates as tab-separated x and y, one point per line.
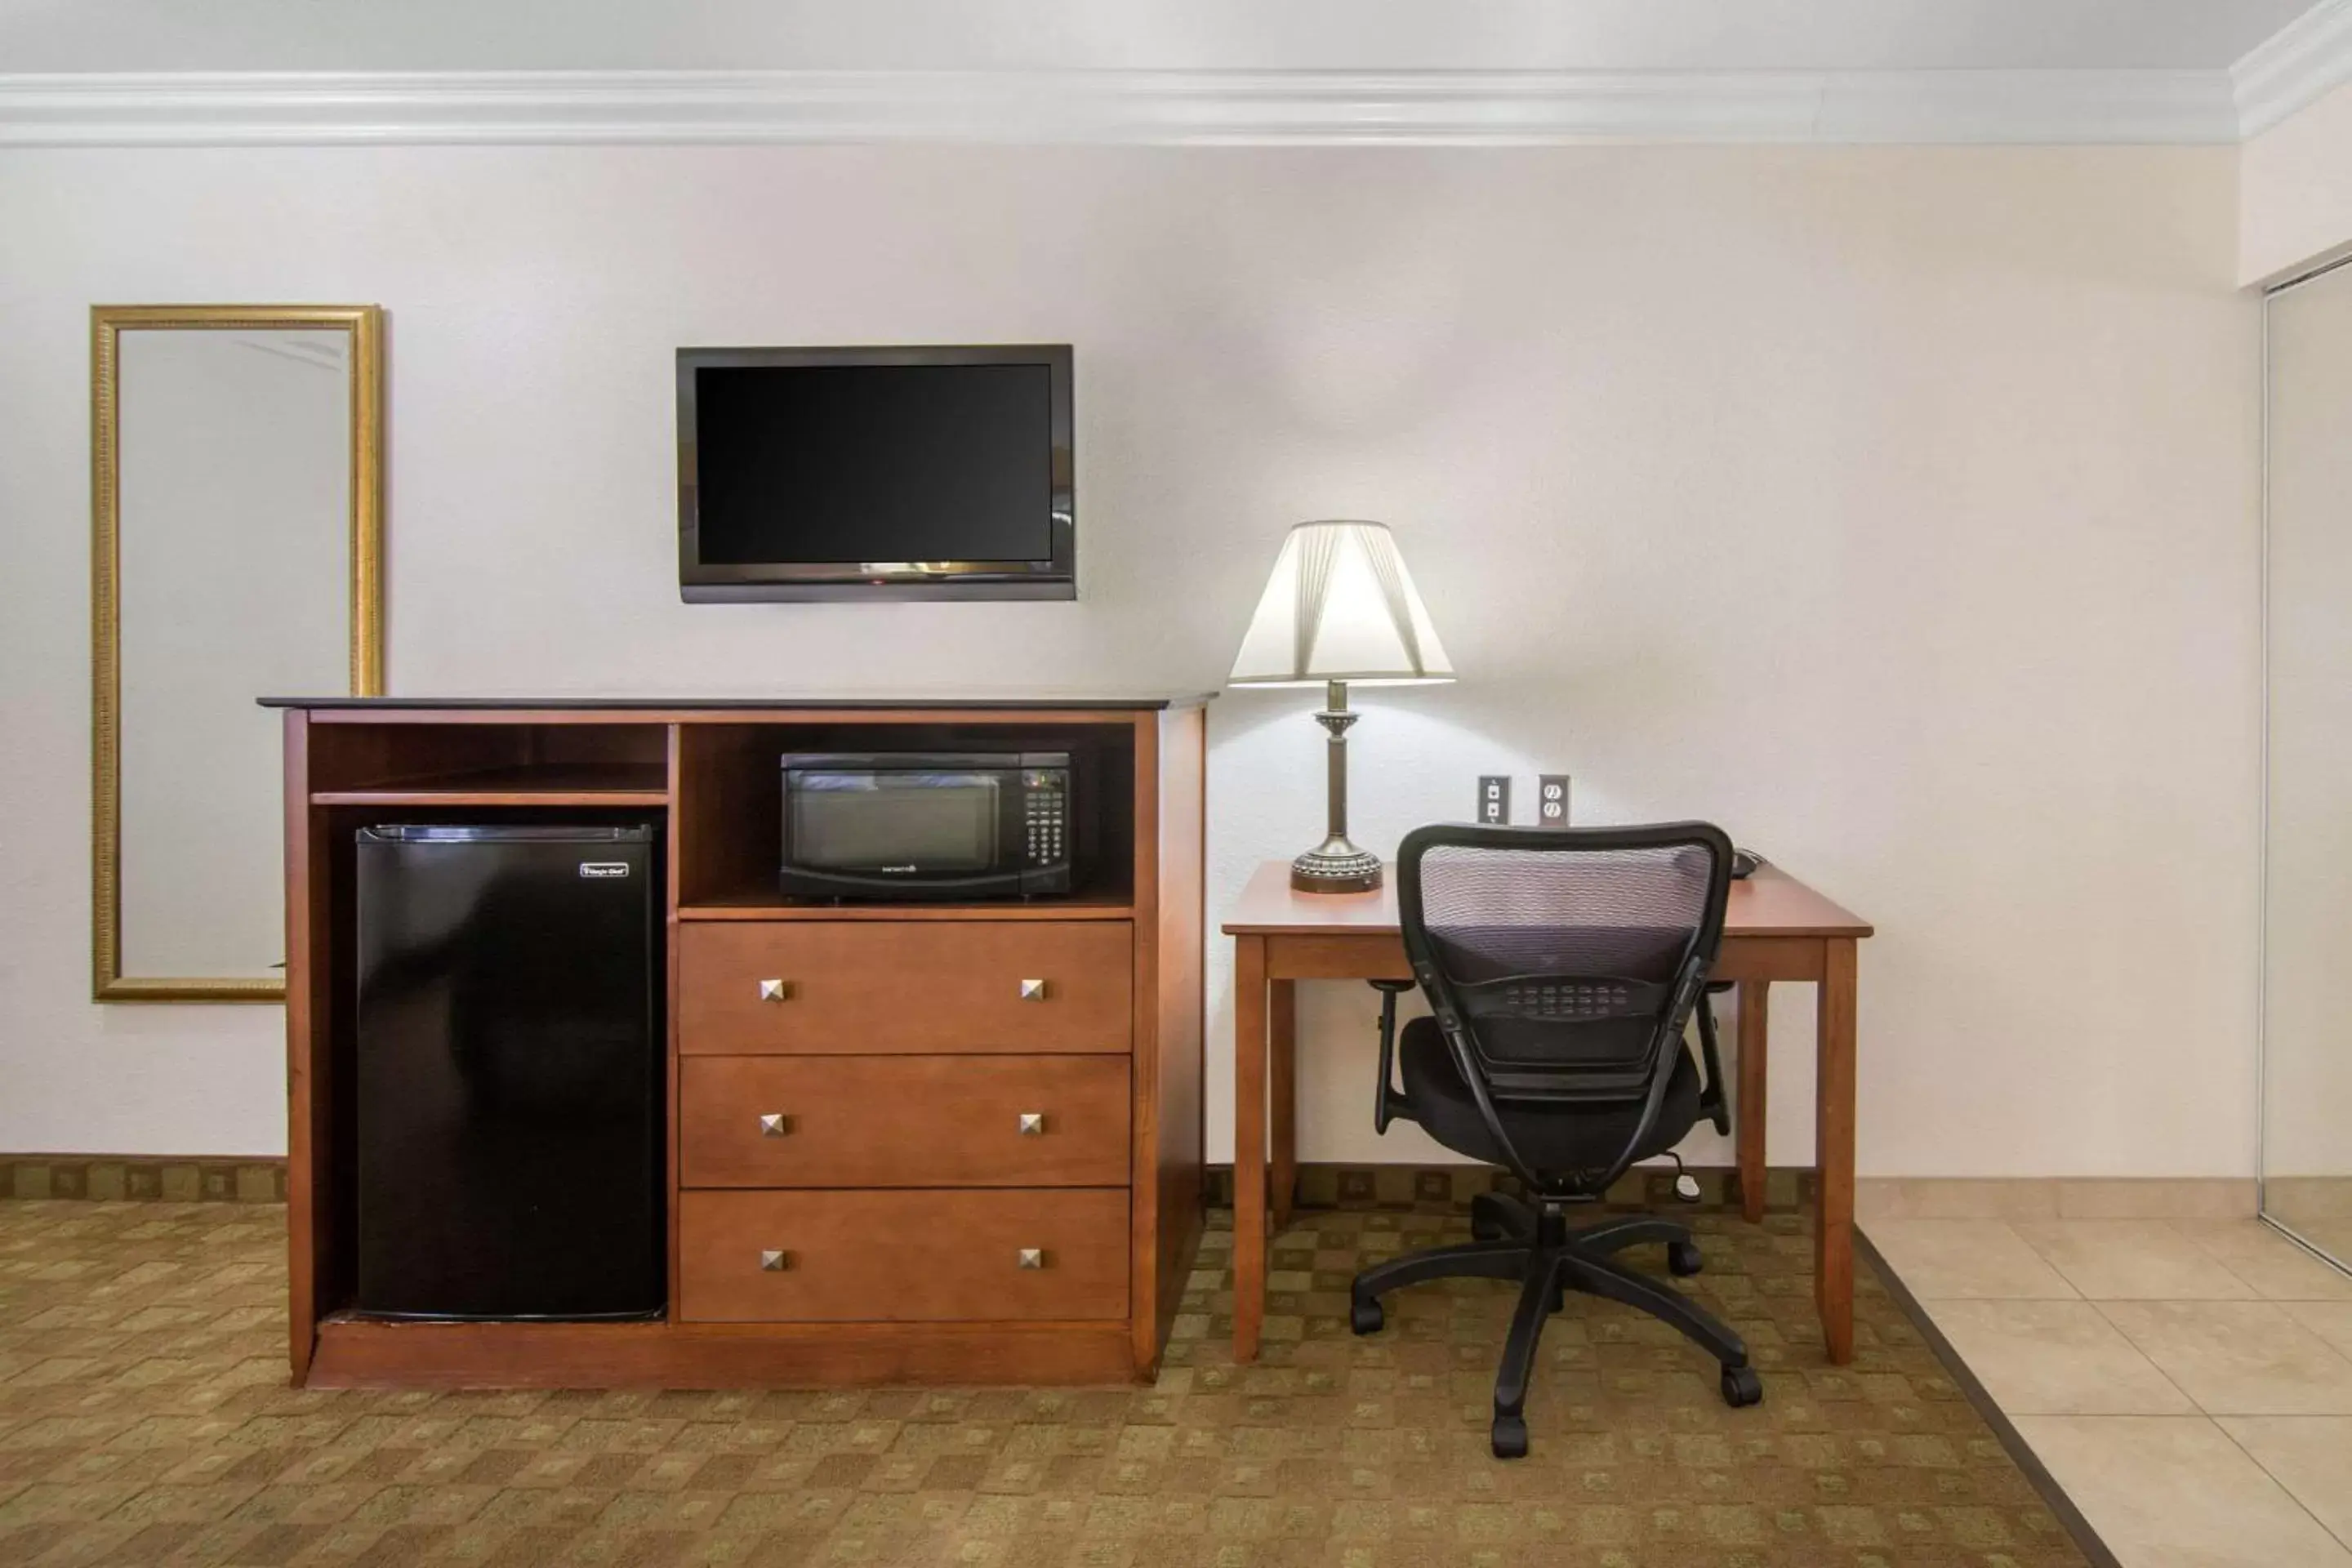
1560	949
1618	913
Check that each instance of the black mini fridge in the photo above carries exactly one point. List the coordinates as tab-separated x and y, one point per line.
509	1082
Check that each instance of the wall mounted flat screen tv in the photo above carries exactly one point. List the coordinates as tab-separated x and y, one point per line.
938	473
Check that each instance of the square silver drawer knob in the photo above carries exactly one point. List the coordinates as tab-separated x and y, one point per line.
1032	1123
1032	991
775	1124
1033	1257
775	1260
774	990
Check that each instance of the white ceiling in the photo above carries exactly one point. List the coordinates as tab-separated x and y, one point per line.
373	35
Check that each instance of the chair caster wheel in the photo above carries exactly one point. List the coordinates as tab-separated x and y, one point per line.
1683	1258
1742	1387
1366	1316
1509	1438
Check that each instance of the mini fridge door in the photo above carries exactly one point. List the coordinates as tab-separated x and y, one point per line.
509	1071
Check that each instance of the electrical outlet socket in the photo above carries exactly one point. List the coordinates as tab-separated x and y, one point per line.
1493	799
1551	800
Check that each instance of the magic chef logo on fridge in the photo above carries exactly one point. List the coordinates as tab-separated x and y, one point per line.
597	870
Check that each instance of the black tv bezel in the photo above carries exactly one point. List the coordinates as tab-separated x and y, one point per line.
1055	577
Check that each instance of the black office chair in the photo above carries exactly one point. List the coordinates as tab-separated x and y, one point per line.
1561	965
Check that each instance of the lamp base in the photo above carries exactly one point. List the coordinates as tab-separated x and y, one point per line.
1335	866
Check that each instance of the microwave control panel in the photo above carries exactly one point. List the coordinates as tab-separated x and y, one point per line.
1046	805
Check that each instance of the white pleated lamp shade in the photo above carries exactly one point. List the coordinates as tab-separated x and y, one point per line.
1341	606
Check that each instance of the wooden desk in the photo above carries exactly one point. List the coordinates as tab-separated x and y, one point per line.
1776	929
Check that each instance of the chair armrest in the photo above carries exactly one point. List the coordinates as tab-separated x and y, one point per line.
1387	1101
1712	1101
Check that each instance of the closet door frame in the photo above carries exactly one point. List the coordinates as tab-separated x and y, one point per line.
2270	296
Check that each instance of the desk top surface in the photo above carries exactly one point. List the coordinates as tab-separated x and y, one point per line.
1770	903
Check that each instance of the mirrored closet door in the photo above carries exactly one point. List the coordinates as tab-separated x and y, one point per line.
2306	1151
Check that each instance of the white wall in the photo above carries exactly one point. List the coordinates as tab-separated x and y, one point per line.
2295	190
1896	508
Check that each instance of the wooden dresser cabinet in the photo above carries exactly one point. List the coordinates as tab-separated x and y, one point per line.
934	1142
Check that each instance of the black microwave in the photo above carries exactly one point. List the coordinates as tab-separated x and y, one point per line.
927	825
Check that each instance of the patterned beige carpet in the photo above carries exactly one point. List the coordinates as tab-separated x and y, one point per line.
144	1419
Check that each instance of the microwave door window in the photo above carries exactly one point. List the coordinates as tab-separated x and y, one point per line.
906	823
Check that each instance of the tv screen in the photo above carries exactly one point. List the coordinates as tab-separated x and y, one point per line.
808	473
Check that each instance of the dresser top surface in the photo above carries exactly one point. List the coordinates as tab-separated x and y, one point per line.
1057	702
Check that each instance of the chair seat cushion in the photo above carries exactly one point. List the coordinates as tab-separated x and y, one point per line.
1553	1137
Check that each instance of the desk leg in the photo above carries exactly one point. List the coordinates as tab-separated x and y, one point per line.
1249	1144
1834	1150
1754	998
1282	1082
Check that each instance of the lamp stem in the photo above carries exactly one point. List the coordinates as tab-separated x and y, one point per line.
1336	865
1336	718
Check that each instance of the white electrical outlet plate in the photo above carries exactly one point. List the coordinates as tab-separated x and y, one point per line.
1551	800
1494	800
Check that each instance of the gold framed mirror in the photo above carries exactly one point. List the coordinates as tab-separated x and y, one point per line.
236	552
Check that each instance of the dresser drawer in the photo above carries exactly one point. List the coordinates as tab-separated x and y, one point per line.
903	1122
902	1256
821	987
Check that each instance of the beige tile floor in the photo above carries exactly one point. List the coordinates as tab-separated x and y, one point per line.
2189	1383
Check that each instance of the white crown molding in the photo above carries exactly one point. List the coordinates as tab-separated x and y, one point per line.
2299	62
1116	107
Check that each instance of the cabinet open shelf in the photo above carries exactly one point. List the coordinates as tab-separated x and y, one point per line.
468	765
526	783
729	806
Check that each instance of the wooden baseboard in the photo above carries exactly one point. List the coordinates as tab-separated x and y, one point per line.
2053	1197
146	1178
1366	1186
249	1178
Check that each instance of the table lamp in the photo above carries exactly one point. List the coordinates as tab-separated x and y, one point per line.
1340	606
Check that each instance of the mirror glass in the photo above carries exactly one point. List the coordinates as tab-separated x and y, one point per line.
236	568
2306	1153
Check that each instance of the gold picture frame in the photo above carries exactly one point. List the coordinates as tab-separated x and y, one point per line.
364	323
